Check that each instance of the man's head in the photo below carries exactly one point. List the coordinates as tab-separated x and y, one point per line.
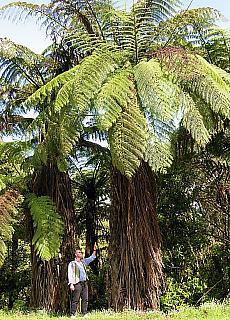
78	253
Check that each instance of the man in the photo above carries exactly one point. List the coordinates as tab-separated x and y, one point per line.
77	280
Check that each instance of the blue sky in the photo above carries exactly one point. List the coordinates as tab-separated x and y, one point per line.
31	36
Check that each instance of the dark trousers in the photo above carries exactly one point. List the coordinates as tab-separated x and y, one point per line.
80	290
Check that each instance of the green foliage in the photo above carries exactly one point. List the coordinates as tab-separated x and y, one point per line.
19	64
208	311
158	153
194	123
8	201
46	92
158	95
181	294
15	277
193	213
92	73
128	138
191	28
48	226
114	97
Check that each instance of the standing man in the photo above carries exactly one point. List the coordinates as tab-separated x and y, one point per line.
77	280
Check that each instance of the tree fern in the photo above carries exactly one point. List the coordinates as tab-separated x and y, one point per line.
48	226
188	27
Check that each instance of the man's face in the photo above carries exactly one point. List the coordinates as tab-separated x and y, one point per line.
78	254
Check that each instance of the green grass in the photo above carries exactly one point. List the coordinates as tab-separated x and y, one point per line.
209	311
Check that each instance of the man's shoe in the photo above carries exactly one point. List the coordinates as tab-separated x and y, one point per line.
86	316
72	317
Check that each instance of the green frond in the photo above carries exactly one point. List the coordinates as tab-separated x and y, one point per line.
92	73
17	11
114	96
212	88
65	138
158	95
2	183
44	94
19	64
83	42
223	74
189	27
193	122
195	75
48	226
160	10
8	201
128	138
158	153
63	95
40	155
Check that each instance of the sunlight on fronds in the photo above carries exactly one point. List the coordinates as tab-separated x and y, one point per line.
92	73
189	27
2	184
223	74
114	96
158	153
19	64
213	89
48	226
128	138
44	94
158	95
193	122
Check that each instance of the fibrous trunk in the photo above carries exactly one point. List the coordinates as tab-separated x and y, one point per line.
49	278
135	257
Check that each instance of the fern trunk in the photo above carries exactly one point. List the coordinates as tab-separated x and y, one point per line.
136	264
49	278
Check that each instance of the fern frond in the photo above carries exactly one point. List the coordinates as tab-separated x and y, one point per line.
19	11
212	88
2	184
11	10
8	202
158	153
158	95
92	73
46	92
48	226
19	64
193	122
188	27
114	96
128	138
195	75
223	74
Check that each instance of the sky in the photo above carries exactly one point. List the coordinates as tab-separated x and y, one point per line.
30	35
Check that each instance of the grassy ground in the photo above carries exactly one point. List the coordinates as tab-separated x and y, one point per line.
209	311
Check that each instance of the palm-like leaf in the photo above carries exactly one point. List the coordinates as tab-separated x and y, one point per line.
48	227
